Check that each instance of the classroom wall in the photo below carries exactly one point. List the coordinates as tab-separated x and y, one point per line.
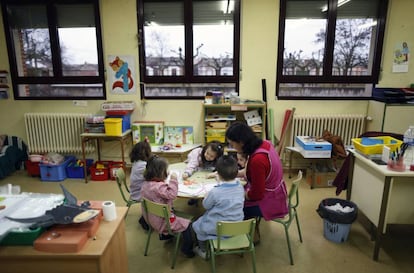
259	24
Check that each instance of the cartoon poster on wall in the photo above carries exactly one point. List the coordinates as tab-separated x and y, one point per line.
401	58
121	74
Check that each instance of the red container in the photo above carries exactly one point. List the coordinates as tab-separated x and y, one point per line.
100	170
113	168
32	168
118	112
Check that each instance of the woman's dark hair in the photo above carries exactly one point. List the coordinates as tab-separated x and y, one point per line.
227	167
157	169
216	147
140	151
240	132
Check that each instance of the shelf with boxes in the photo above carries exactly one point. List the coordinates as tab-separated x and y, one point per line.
217	117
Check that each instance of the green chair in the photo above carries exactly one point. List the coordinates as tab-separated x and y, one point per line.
238	239
293	214
163	211
124	189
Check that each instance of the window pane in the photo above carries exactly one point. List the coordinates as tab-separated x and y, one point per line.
77	38
60	90
355	29
164	38
213	32
30	34
323	90
305	31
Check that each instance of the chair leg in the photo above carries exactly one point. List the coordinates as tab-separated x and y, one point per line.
177	243
288	243
253	253
128	207
148	241
212	257
298	226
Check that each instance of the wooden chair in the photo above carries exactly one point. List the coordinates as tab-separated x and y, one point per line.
124	189
232	238
293	199
163	211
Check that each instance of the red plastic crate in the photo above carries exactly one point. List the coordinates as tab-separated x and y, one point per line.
113	168
32	168
100	174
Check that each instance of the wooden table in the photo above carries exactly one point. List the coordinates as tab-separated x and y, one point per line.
382	195
106	254
175	155
98	137
199	177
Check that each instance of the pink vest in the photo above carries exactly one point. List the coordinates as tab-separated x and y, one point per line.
274	203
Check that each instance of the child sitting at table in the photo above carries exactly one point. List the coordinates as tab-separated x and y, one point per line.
203	158
223	203
156	189
139	156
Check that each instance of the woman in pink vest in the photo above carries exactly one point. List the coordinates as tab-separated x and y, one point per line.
265	191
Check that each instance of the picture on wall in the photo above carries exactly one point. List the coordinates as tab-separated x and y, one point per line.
121	74
178	135
153	131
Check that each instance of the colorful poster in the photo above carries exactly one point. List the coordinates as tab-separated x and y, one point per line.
401	58
121	75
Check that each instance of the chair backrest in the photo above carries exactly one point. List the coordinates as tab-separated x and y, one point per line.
158	209
293	192
227	228
122	185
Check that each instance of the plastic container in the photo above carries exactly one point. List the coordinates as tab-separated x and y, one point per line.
75	170
337	223
50	172
24	237
100	170
409	152
113	126
370	149
336	232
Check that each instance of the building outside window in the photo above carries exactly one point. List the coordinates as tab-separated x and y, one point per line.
329	49
188	47
55	49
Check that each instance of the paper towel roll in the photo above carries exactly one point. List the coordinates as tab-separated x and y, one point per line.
109	210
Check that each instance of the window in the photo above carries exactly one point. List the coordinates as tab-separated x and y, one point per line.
55	49
329	48
188	47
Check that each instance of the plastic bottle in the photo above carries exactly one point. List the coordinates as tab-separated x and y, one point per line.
409	152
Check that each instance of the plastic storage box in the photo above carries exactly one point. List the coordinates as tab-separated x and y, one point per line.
25	237
32	168
113	126
54	172
311	148
75	170
100	170
113	168
391	142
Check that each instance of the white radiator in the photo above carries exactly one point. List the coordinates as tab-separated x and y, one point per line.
347	126
55	132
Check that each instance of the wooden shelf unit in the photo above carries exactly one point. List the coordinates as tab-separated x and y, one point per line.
217	117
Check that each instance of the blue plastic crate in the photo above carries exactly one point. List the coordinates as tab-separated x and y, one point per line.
55	172
336	232
73	170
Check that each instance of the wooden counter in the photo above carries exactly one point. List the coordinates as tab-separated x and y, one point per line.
106	254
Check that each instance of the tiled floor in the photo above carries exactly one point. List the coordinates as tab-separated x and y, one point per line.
314	255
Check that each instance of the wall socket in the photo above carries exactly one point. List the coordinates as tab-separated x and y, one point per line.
80	103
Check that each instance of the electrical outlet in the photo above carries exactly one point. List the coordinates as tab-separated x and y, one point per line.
80	103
